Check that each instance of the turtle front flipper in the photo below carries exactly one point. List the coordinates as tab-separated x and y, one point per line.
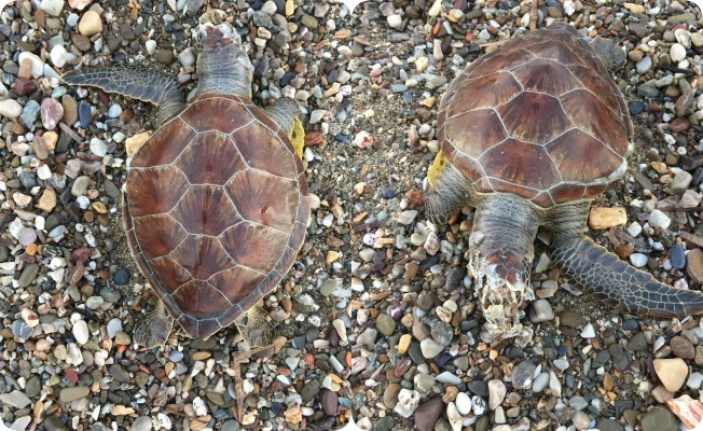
619	284
135	82
286	112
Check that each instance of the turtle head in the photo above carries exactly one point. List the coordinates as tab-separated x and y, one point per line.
502	283
223	64
501	249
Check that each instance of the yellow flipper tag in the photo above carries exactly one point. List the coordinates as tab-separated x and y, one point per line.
297	137
435	168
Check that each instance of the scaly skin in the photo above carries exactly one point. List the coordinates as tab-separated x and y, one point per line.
620	285
136	82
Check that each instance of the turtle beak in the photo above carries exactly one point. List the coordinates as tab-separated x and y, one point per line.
215	31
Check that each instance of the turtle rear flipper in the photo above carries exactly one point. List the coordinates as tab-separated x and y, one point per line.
153	330
619	284
135	82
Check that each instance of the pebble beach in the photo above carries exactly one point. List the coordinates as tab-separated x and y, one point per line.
377	321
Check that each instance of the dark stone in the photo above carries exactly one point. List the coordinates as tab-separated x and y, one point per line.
310	391
630	325
330	402
427	414
415	353
384	424
121	277
84	114
609	425
636	107
478	387
677	257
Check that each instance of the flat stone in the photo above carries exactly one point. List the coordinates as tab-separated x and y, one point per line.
671	372
71	394
10	108
427	414
385	324
430	348
659	219
15	399
604	218
142	423
496	393
694	265
523	374
90	23
682	348
541	311
659	419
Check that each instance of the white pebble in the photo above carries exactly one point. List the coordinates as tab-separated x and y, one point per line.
395	20
113	327
44	172
187	57
80	332
407	217
150	46
114	111
588	331
634	229
659	219
98	147
463	403
638	260
59	56
677	52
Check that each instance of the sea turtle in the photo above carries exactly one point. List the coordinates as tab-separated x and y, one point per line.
529	134
216	203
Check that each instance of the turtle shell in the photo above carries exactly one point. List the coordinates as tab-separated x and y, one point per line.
216	210
539	117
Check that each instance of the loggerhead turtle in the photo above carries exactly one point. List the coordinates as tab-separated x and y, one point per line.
529	135
216	201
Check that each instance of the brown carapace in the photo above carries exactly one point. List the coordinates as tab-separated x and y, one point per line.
525	118
216	210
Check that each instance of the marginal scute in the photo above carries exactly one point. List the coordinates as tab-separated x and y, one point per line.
211	158
154	190
205	209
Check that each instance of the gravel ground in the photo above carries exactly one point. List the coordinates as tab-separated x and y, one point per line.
398	344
